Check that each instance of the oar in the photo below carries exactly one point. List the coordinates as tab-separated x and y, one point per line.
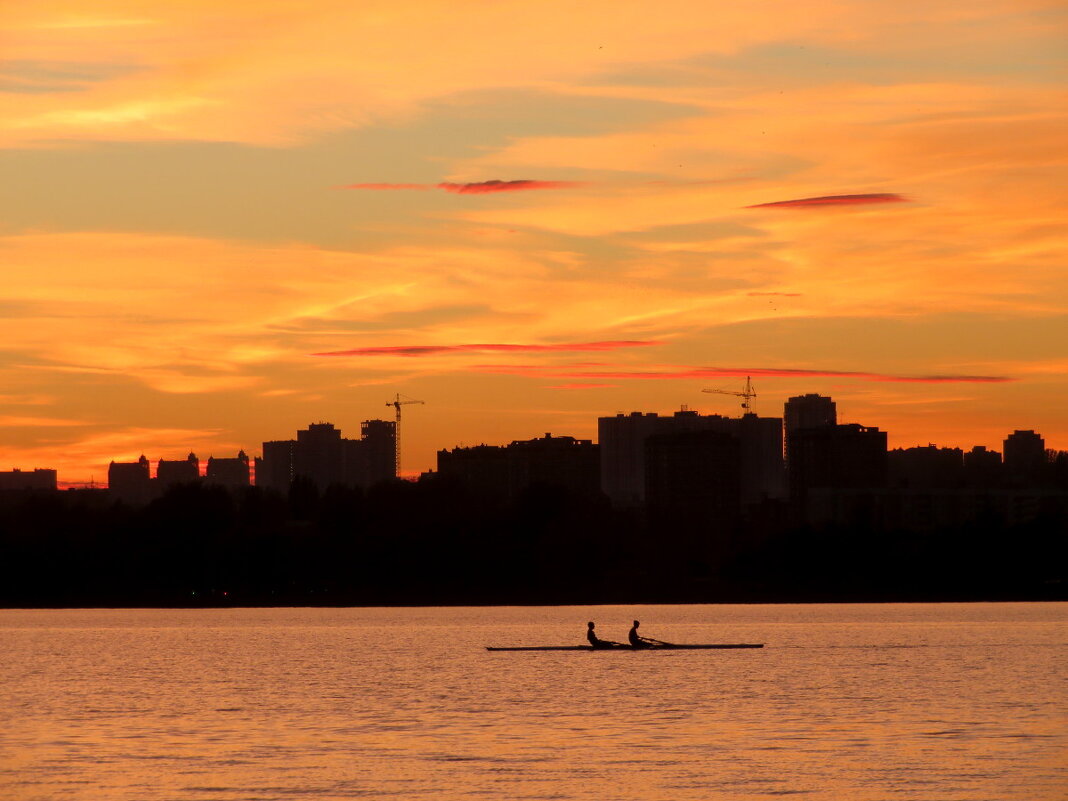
658	642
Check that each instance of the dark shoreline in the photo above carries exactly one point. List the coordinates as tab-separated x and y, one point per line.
309	603
439	544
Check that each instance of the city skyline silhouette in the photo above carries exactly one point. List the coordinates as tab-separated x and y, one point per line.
854	201
341	341
797	421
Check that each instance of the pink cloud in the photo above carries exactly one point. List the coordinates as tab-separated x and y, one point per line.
485	187
733	372
833	200
431	350
475	187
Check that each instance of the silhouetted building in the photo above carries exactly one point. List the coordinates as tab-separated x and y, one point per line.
1025	455
229	472
807	411
275	469
982	468
129	481
928	467
555	461
560	461
318	455
934	510
839	456
693	481
622	439
173	472
763	471
378	459
482	467
37	479
322	455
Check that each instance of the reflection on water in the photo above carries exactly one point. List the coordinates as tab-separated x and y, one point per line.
846	702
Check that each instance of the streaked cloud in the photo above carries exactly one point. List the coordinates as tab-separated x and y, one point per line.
736	372
579	385
27	400
431	350
489	187
29	76
12	421
832	200
475	187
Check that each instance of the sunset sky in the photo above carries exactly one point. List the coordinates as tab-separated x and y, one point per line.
223	221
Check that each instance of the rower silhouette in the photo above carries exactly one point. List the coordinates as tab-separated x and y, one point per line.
596	641
638	641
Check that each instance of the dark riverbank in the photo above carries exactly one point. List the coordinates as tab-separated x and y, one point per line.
438	544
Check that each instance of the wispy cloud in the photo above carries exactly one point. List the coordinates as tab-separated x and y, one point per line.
733	372
775	294
27	400
28	76
20	421
832	200
431	350
580	385
475	187
485	187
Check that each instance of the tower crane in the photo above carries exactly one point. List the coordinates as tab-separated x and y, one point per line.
396	403
747	394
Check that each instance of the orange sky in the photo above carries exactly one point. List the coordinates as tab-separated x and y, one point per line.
199	198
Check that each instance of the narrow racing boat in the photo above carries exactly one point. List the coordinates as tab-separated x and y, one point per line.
660	647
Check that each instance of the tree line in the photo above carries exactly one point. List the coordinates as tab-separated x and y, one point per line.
439	542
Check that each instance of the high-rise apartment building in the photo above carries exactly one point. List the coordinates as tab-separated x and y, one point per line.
1025	454
508	470
836	457
623	455
480	467
982	467
37	479
693	481
178	471
807	411
232	473
925	467
622	440
130	481
377	457
322	455
563	461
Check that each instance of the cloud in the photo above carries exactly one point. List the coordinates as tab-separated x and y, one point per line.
12	421
475	187
27	400
579	385
776	294
431	350
29	76
833	200
485	187
734	372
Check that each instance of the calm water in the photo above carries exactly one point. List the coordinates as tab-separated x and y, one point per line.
938	701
